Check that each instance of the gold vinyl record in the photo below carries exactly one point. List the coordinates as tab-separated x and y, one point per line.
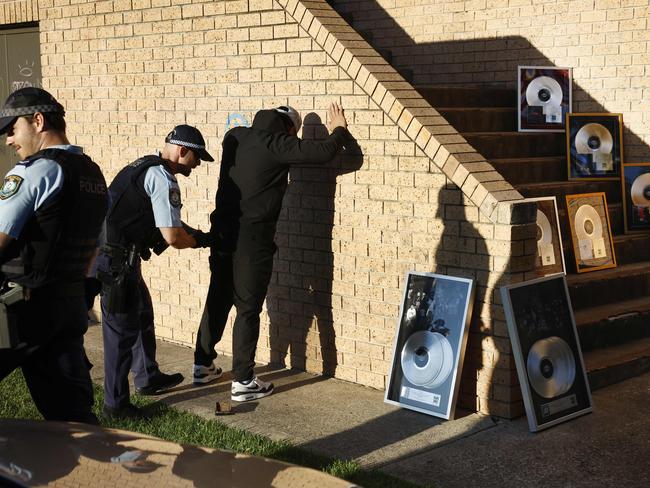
427	359
544	90
587	223
551	367
594	139
640	191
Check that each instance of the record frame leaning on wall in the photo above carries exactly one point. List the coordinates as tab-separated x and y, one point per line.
547	351
545	97
591	234
550	255
430	342
635	182
594	146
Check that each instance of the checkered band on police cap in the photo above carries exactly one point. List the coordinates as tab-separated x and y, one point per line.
27	101
190	137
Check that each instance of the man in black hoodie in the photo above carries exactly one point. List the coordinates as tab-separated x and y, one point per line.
252	182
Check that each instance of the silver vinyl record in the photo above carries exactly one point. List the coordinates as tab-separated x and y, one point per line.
551	367
544	90
544	225
594	139
640	191
427	359
587	223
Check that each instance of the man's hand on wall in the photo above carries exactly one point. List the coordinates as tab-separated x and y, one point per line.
336	117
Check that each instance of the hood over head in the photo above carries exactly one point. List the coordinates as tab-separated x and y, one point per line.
270	121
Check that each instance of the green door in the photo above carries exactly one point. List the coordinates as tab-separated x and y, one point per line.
20	66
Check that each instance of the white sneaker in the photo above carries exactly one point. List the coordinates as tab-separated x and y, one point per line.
202	375
250	390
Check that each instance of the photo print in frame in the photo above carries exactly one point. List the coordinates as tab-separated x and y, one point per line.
430	343
547	352
591	236
544	98
594	146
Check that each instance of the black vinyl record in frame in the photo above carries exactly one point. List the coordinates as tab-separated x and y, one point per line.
430	343
547	351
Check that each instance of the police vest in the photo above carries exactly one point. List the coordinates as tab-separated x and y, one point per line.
130	219
59	240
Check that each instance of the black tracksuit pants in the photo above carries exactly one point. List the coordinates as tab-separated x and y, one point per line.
241	279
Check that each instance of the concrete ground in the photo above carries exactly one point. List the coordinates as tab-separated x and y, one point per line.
609	447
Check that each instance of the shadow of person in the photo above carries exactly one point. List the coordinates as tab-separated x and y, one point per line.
299	301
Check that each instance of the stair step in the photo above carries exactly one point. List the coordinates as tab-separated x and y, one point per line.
612	285
473	96
496	145
632	248
560	189
617	363
481	119
531	170
613	323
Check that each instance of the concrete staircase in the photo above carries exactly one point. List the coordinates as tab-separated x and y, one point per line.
612	306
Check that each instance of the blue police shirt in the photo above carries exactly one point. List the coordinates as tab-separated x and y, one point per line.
165	194
28	186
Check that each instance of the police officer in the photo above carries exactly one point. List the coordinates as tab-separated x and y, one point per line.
144	216
252	182
52	204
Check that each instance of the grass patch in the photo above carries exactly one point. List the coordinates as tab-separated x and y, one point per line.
176	426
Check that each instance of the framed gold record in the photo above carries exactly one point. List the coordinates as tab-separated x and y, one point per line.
591	236
594	146
635	182
550	255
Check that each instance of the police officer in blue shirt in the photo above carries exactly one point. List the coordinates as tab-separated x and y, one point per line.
144	216
52	205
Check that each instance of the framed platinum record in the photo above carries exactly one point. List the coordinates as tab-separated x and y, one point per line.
544	98
430	343
547	351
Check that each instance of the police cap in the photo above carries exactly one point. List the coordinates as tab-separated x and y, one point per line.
191	138
27	101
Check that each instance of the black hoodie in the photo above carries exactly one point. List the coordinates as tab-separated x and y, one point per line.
253	176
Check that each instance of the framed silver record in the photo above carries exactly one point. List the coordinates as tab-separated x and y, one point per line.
550	255
636	197
594	146
591	235
547	351
544	98
430	343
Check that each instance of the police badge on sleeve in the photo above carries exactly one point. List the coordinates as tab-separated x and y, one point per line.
11	186
175	197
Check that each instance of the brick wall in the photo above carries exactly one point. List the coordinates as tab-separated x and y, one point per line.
412	196
483	42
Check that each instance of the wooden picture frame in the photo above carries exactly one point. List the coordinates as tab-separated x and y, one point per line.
594	146
635	188
591	235
545	97
430	342
547	352
550	254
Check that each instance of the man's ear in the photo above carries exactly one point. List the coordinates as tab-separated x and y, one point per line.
183	151
38	119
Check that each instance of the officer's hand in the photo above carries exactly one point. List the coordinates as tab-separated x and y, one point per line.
336	117
92	288
203	239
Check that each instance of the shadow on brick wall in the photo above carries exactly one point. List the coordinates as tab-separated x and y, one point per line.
299	299
490	62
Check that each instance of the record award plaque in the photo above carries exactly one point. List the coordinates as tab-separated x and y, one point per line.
547	351
544	98
550	255
430	343
594	146
636	197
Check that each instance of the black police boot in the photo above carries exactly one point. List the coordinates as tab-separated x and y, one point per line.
160	383
128	411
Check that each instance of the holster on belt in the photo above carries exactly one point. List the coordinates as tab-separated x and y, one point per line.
8	318
114	281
